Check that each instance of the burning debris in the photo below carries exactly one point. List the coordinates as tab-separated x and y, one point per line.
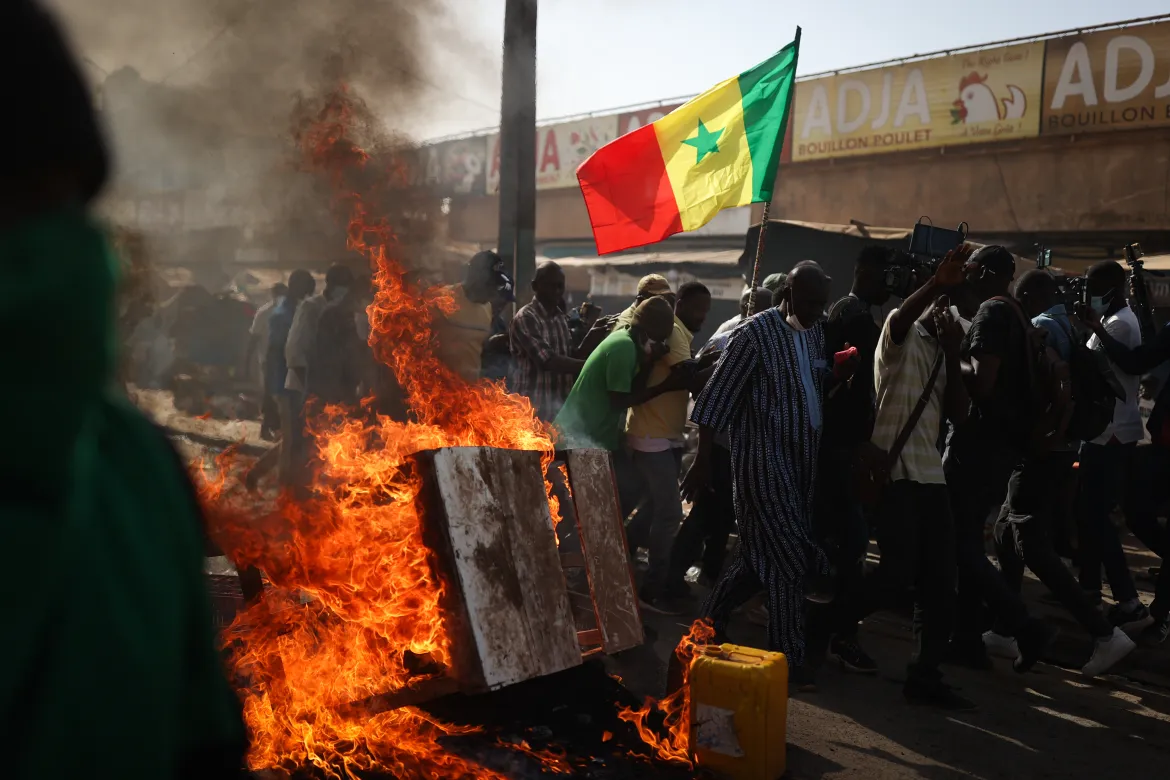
357	620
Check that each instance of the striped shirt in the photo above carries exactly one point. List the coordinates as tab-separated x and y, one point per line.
900	374
536	335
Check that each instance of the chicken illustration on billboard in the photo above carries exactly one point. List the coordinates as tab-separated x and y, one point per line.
978	102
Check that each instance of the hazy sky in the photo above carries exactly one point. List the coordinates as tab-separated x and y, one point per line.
600	54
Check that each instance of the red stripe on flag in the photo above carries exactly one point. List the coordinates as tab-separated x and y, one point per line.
628	193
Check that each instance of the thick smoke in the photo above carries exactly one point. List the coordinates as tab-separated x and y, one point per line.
203	99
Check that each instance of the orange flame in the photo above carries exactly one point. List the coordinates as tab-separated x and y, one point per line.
354	611
674	745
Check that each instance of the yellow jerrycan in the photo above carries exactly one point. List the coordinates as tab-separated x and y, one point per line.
739	711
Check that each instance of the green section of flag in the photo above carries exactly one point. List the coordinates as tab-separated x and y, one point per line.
766	92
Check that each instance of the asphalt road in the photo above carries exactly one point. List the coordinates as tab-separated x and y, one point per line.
1049	723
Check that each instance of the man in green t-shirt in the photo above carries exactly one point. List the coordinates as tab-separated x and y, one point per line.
613	379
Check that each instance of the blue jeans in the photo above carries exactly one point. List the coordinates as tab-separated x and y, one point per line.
1103	470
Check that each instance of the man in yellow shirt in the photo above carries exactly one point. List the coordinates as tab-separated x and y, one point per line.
655	435
460	335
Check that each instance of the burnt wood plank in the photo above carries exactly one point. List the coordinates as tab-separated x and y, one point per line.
603	540
487	520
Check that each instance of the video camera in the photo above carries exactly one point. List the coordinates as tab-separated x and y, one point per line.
928	246
1072	291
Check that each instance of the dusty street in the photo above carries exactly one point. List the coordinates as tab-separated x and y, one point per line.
1049	723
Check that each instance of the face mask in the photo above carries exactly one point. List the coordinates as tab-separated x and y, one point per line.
337	293
1100	303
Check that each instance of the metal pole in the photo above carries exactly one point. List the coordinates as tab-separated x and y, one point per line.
517	197
764	219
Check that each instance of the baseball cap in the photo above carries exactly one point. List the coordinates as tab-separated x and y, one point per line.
774	282
654	284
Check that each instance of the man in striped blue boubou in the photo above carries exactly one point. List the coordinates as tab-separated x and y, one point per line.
766	392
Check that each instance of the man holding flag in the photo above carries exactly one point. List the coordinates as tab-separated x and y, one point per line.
721	150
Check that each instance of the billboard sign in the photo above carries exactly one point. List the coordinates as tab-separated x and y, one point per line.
458	167
980	96
1111	80
560	149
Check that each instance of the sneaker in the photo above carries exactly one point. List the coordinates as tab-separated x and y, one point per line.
935	694
1033	642
972	655
1158	631
1131	621
662	606
1000	645
1107	652
851	656
802	679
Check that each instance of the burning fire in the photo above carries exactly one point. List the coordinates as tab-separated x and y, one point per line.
354	608
675	709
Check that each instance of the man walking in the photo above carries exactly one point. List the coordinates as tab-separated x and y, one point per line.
289	450
655	435
542	345
841	525
1105	460
918	379
1149	488
767	392
258	349
1024	531
981	455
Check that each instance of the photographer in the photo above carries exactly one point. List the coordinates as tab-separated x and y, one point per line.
1105	460
1023	532
849	415
1149	488
983	452
918	381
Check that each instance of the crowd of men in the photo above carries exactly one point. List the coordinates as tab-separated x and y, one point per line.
792	406
821	427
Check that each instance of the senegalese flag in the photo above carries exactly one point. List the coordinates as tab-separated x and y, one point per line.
718	151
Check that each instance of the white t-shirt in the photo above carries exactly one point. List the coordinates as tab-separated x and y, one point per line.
1127	416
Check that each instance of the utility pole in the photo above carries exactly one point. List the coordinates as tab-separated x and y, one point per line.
517	198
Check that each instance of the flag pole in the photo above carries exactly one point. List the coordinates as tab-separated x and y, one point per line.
766	216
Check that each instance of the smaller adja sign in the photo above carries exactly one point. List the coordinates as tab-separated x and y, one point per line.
560	150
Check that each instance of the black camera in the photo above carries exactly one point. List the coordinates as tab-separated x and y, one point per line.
910	269
1072	291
